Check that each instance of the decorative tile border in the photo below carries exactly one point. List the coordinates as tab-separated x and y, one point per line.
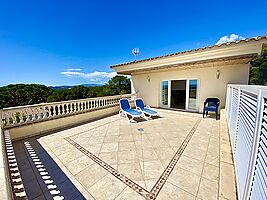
165	175
139	189
142	191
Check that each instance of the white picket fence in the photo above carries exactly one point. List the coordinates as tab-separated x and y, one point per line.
246	108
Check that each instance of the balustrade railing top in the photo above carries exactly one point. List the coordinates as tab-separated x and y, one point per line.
21	115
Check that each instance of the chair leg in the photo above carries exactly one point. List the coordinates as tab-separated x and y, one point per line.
217	117
128	118
207	112
145	117
203	113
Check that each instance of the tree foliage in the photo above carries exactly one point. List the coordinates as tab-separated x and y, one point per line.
23	94
26	94
119	85
258	69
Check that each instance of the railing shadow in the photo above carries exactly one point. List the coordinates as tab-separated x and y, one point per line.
42	177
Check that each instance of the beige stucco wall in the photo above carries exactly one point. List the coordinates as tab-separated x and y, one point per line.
209	85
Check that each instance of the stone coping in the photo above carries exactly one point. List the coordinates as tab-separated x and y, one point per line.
4	192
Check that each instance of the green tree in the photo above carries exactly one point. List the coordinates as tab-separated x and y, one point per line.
258	69
23	94
77	92
58	95
26	94
119	85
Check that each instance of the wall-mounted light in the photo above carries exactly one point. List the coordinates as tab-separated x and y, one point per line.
218	74
148	78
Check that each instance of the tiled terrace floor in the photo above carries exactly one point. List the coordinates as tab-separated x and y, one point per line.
175	156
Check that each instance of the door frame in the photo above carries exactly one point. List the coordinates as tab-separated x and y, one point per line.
187	93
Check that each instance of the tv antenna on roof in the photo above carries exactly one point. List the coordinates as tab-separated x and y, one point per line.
135	52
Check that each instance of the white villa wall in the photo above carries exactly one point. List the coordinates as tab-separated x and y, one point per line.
209	85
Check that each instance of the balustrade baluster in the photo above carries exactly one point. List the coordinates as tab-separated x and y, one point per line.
8	118
40	113
50	108
79	106
36	115
20	116
25	115
64	110
68	108
76	107
83	106
72	107
55	111
60	110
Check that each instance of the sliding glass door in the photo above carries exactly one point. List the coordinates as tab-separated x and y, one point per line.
180	94
193	94
164	93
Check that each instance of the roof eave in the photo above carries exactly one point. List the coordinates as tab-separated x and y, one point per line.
243	59
244	41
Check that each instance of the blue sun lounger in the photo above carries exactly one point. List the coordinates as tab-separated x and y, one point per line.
145	109
125	109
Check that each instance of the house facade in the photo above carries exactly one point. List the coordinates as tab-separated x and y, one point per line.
184	80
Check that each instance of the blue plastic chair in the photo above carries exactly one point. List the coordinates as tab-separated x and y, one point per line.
139	104
125	109
211	105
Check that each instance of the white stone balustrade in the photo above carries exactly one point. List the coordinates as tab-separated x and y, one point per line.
22	115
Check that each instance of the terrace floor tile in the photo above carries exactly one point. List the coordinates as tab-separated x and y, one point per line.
175	156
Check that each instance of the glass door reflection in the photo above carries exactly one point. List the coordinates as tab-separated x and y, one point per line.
193	95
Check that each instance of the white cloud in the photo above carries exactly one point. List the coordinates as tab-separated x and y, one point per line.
74	69
93	77
230	38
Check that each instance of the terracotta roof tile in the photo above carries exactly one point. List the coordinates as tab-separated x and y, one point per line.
193	50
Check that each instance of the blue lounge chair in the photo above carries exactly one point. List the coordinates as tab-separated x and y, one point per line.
211	104
125	109
145	109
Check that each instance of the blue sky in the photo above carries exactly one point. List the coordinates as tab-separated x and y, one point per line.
74	42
